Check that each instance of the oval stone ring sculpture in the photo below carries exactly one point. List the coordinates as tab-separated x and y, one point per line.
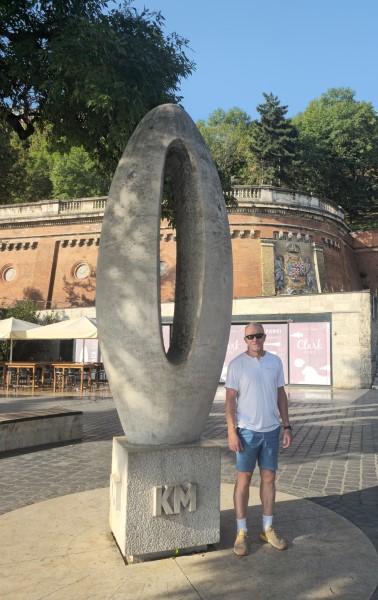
164	398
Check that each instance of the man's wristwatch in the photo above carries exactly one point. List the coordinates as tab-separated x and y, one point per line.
288	427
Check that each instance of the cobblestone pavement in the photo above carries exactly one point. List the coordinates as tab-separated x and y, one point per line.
333	460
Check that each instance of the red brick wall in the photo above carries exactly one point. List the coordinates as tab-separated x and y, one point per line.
46	266
69	244
246	253
341	269
366	257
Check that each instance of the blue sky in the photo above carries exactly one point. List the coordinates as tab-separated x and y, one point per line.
296	49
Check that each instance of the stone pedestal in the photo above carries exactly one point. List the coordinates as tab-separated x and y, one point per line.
164	498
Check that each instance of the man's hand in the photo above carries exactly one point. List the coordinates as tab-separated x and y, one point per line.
234	442
287	438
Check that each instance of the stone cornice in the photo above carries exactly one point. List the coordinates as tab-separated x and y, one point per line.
30	223
252	200
309	214
68	242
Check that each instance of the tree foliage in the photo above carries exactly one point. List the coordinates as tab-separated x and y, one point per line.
228	136
8	158
274	143
76	175
331	149
30	172
339	150
26	310
91	72
38	169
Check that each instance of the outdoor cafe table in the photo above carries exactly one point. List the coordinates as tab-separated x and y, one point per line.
18	366
31	367
67	367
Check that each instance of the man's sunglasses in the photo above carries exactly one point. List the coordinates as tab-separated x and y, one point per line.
252	336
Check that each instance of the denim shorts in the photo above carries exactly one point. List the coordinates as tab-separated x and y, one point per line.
258	446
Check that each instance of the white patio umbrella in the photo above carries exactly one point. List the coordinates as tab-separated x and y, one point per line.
72	329
81	328
15	329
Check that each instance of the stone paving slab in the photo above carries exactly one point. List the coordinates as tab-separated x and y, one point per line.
67	551
333	461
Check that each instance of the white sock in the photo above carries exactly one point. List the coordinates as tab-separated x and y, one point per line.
241	524
267	522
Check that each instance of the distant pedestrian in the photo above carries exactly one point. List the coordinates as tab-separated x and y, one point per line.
255	401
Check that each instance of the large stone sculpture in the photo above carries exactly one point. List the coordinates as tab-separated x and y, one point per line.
164	486
164	399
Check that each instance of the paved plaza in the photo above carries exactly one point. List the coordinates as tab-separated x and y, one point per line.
333	462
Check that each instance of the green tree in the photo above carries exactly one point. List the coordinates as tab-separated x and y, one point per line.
8	157
338	140
91	72
228	136
30	172
33	169
76	175
38	163
26	311
25	175
273	143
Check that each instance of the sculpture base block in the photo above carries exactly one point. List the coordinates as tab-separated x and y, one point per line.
164	499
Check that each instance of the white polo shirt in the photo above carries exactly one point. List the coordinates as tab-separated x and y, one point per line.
256	381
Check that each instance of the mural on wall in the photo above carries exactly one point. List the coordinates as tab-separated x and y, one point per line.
294	268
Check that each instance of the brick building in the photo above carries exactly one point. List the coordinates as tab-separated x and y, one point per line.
297	267
283	242
287	243
49	252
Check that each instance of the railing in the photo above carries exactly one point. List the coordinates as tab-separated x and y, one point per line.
83	205
52	208
247	195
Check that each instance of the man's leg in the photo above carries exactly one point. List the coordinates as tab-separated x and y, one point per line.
267	491
245	464
268	497
241	494
241	497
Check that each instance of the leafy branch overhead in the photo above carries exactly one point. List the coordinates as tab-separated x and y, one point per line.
77	76
89	71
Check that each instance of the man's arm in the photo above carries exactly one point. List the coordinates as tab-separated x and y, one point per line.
234	442
284	412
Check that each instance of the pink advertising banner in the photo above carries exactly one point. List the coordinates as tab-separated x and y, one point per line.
235	346
310	353
277	343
